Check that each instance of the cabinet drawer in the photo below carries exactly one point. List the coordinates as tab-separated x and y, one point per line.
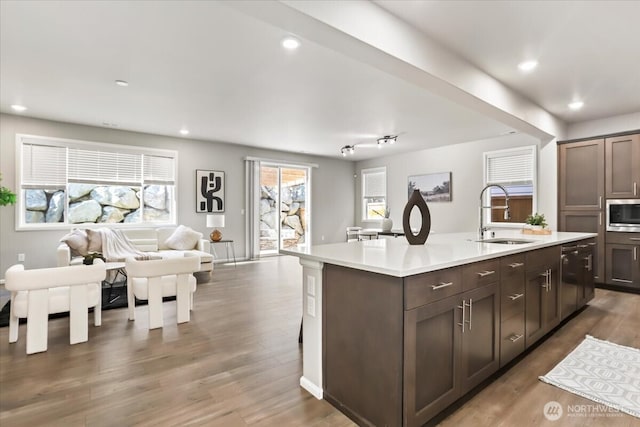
512	303
542	257
511	338
428	287
512	266
480	274
623	238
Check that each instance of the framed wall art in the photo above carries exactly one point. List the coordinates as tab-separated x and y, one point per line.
434	187
209	191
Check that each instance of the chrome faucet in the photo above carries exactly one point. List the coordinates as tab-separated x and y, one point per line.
507	214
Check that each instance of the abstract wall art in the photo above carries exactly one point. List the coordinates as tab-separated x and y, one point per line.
209	191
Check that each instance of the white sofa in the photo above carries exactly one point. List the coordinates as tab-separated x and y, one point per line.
153	241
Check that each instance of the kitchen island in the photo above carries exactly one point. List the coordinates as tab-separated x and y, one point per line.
394	333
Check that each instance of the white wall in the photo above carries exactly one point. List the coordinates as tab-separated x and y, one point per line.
622	123
465	162
332	186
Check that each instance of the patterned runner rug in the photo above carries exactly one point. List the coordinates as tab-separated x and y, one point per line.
602	371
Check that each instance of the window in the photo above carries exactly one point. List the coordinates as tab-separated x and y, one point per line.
66	182
515	170
374	193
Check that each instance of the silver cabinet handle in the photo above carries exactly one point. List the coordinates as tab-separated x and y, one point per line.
514	338
583	246
600	218
635	188
485	273
441	285
516	296
516	264
470	305
635	239
635	255
592	243
463	321
600	202
549	279
589	260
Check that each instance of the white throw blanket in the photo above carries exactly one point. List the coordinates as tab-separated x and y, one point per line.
117	248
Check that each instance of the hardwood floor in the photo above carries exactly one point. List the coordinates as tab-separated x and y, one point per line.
238	363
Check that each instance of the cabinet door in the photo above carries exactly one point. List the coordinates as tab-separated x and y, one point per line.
431	359
623	266
623	166
581	175
588	222
534	323
480	339
551	300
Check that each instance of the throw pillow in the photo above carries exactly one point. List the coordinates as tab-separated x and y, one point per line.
77	241
95	241
183	238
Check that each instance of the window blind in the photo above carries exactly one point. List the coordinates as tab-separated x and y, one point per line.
159	169
44	165
374	183
104	166
511	167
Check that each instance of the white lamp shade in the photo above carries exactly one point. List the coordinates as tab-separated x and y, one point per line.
215	221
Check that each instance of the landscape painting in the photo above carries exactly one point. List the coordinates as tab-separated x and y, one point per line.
434	187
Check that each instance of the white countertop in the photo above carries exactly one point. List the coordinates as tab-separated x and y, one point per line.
395	257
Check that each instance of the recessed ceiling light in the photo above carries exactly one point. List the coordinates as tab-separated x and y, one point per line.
528	65
122	83
184	131
576	105
18	108
290	43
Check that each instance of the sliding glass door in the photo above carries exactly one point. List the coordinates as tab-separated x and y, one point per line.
283	207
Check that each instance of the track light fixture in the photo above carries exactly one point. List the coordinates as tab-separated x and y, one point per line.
347	149
387	139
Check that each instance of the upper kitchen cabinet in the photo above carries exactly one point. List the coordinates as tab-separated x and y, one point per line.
581	180
623	166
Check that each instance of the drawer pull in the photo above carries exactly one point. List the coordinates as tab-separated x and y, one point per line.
635	239
441	285
486	273
516	296
516	264
583	246
514	338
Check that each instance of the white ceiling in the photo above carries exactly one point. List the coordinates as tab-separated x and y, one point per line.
224	76
586	50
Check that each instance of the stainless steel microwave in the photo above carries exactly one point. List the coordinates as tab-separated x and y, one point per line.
623	215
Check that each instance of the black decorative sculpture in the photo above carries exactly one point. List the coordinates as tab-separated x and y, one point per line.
416	200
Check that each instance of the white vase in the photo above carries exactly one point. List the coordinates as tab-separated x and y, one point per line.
387	223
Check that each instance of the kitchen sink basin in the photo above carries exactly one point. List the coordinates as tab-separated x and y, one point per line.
507	241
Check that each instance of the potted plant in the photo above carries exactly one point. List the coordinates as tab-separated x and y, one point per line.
7	197
536	221
387	222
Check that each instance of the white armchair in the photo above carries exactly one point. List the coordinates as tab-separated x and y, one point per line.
37	293
154	279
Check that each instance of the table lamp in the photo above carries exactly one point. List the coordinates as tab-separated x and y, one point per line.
215	221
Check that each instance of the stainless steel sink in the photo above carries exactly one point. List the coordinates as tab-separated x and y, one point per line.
507	241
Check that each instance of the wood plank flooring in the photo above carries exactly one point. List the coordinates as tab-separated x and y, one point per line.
238	363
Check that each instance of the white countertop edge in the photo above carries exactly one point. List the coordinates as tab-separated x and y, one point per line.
508	250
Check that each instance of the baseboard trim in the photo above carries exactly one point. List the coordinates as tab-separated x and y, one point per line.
311	388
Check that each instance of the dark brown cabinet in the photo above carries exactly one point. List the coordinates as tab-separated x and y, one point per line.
512	304
398	351
588	222
581	176
451	345
623	260
622	155
542	293
581	190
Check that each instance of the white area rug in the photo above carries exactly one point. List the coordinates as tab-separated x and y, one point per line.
602	371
